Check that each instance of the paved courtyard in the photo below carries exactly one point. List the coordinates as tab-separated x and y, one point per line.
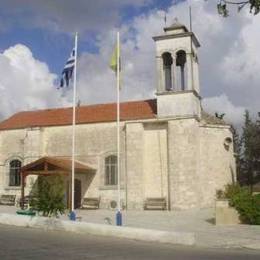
201	222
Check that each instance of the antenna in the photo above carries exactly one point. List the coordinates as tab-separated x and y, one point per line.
191	49
190	12
190	19
165	18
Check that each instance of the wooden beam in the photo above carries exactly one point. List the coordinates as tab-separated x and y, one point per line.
22	191
33	164
45	166
55	172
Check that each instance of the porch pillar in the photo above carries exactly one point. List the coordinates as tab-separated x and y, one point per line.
22	191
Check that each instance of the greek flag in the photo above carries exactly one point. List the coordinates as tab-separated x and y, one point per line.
68	70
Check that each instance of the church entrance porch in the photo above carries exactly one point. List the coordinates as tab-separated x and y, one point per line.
77	193
48	166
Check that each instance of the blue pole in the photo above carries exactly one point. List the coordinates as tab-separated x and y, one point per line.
119	218
72	216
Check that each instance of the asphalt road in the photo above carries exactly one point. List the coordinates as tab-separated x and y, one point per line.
25	243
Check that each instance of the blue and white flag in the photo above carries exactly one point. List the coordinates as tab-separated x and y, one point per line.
68	70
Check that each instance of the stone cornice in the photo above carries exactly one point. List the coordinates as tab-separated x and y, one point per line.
174	92
179	35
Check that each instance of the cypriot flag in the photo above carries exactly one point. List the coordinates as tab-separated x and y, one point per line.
115	59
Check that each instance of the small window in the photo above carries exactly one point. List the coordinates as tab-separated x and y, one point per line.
15	173
181	60
111	170
167	66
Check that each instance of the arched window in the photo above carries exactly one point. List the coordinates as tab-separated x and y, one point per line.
15	173
111	170
180	62
167	67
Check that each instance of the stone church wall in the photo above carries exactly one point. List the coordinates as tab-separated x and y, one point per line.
183	139
134	165
93	143
217	163
14	145
191	156
155	160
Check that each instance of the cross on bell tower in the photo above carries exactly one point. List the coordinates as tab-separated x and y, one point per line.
177	72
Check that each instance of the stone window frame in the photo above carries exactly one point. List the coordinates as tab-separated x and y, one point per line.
102	168
7	163
181	66
168	73
110	169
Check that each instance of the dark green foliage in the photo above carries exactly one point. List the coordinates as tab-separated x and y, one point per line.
223	6
237	150
254	6
49	195
249	162
247	205
222	9
231	190
247	152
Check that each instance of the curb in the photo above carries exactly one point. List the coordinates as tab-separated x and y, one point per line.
148	235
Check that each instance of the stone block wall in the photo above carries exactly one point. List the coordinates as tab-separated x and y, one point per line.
155	160
181	157
183	141
134	165
217	164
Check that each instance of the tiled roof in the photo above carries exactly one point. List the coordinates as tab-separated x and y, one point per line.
134	110
85	114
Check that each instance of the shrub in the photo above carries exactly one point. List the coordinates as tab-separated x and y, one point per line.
256	202
49	195
231	190
247	205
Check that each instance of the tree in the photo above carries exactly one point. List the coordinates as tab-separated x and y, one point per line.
223	6
250	152
237	151
49	195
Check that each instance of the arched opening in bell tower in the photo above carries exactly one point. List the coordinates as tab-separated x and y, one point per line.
181	59
167	67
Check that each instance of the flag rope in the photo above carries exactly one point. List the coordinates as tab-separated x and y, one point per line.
118	122
73	125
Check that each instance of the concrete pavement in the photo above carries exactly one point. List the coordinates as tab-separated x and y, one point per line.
24	243
197	222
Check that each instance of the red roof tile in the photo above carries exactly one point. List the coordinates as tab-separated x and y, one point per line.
85	114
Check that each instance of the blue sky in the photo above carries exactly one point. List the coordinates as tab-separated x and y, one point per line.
53	47
36	37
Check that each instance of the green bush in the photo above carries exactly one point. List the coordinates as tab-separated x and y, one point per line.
231	190
256	202
49	195
247	205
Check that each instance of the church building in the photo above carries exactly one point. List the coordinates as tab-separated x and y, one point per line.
170	147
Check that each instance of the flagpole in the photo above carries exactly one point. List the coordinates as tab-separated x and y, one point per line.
73	124
118	216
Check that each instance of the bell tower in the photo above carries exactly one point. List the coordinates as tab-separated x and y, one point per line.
177	72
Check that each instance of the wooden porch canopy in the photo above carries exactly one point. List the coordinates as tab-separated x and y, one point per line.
53	166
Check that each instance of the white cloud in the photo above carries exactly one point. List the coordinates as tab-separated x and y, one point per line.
222	105
240	67
25	82
225	44
67	16
229	60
